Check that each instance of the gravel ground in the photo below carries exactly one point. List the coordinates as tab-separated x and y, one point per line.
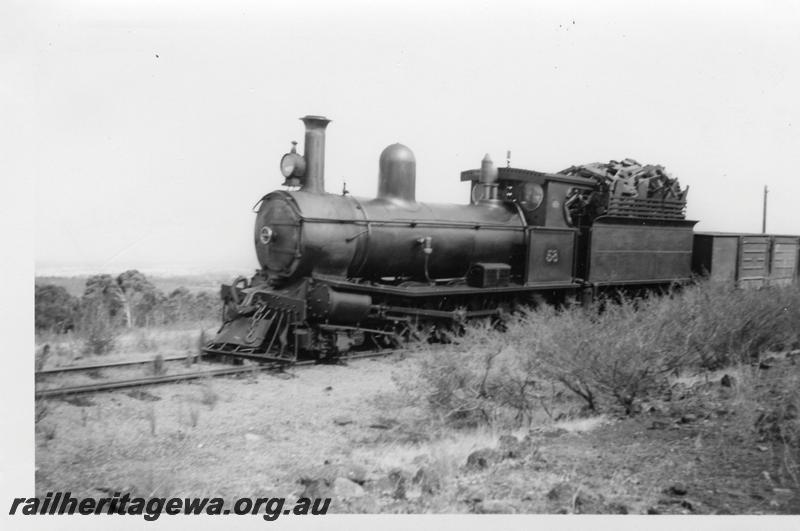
226	437
329	430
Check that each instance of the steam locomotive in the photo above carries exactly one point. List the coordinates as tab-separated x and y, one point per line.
340	273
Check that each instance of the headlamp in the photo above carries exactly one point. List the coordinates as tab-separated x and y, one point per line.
293	164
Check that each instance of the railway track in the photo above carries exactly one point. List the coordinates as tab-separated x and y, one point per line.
170	378
100	366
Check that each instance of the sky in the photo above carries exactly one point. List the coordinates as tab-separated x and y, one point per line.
150	129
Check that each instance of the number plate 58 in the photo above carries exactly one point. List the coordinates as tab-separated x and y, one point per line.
551	256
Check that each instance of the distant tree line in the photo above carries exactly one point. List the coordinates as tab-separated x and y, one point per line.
129	300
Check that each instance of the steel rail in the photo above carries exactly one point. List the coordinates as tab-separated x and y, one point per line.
99	366
169	378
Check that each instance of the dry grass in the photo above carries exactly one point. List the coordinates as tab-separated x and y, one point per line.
150	482
450	448
47	431
611	355
172	340
193	416
770	415
158	365
448	452
581	425
64	348
208	396
791	432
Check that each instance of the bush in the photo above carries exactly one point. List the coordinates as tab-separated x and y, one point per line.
55	308
612	353
98	330
183	306
725	325
208	396
158	365
478	379
622	351
616	355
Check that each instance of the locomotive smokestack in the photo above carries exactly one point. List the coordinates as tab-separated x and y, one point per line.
314	153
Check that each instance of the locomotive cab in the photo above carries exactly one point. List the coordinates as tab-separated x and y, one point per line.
542	197
551	235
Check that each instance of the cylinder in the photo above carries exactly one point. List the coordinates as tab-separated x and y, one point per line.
326	303
397	177
314	180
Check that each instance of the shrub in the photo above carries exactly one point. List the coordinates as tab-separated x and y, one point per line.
208	396
145	340
769	405
158	365
615	355
98	331
55	308
201	343
623	350
725	325
477	379
41	410
791	435
151	419
194	416
41	357
611	353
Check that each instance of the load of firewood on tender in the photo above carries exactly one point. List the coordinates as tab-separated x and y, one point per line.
625	189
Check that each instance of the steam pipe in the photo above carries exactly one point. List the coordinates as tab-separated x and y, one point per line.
314	180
